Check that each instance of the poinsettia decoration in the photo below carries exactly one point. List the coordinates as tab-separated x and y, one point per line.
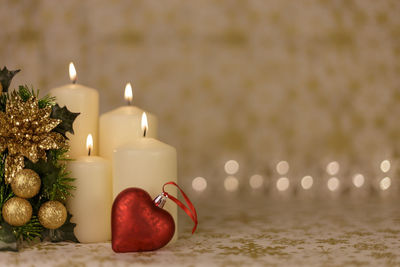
32	136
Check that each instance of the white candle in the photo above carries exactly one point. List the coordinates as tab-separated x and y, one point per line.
146	163
91	203
82	99
122	125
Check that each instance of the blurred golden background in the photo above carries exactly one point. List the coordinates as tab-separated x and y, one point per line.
256	81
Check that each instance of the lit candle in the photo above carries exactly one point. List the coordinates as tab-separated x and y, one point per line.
146	163
82	99
91	203
122	125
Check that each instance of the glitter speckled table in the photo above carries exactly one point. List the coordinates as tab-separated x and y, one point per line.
255	232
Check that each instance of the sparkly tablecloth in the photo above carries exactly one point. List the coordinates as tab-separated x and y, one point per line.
254	231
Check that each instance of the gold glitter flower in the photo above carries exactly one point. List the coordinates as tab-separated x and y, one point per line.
25	130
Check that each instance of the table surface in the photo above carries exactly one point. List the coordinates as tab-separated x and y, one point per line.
253	231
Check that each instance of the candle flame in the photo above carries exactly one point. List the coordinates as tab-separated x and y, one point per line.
89	144
145	125
72	72
128	93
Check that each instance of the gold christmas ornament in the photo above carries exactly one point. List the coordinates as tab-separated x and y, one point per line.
52	214
17	211
26	183
26	132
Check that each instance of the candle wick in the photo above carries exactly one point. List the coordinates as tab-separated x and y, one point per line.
74	81
129	102
144	132
89	151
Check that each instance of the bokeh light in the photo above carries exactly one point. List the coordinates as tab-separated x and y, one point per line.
307	182
333	184
256	181
282	167
199	184
333	168
231	183
385	165
385	183
231	167
282	184
358	180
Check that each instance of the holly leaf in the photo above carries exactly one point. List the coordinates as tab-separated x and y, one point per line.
3	101
48	172
8	241
6	77
64	233
67	117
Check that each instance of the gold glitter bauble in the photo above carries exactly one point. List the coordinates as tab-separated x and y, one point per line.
17	211
52	214
26	183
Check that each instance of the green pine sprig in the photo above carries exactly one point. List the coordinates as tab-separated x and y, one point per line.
62	188
26	93
29	231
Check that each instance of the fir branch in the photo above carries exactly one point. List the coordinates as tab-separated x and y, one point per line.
59	155
25	93
62	189
63	186
30	230
47	100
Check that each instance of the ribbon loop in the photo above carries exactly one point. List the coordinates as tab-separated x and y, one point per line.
191	211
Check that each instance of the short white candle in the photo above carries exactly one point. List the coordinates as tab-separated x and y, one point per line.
91	203
146	163
82	99
122	125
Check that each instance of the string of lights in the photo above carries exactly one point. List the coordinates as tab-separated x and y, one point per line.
331	178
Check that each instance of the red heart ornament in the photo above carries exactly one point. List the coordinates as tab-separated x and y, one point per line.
138	224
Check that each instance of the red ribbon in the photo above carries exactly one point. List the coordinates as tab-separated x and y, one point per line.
191	211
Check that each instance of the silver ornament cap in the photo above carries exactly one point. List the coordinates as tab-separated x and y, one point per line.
160	200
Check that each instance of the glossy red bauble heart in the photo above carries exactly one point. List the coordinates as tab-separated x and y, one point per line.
138	224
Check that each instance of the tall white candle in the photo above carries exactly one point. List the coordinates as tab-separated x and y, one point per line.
146	163
122	125
82	99
91	203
